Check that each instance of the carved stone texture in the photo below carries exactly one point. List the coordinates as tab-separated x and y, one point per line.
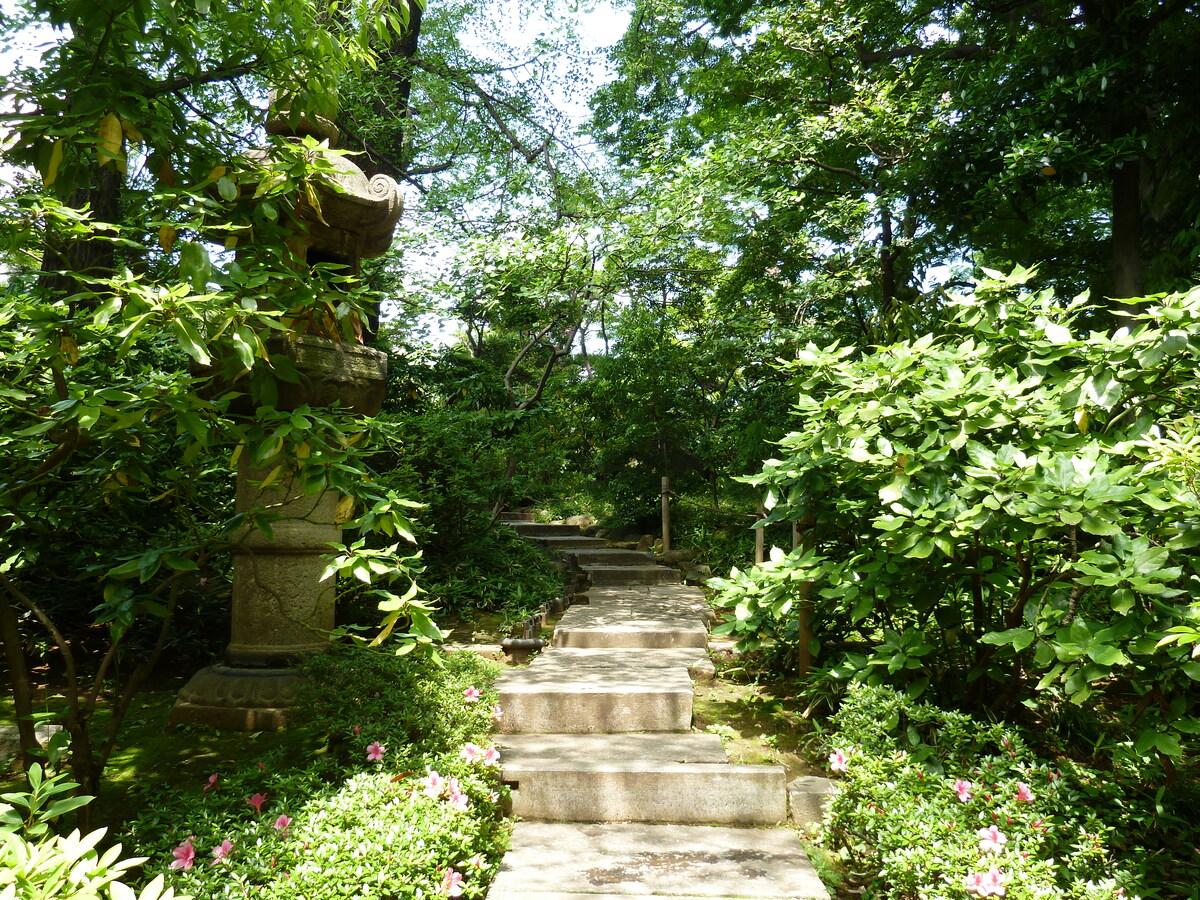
238	699
357	215
282	610
332	373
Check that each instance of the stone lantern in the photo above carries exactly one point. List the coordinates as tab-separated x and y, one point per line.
282	610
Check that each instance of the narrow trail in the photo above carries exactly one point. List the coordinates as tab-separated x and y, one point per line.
616	797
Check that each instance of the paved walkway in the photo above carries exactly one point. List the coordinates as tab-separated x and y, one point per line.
615	795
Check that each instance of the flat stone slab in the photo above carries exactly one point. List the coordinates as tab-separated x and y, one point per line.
658	747
552	700
623	574
570	543
609	556
641	790
542	529
618	658
684	862
634	622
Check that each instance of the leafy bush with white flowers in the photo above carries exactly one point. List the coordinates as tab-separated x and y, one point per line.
939	806
402	800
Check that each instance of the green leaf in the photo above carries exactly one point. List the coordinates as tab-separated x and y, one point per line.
195	266
191	341
1168	745
243	349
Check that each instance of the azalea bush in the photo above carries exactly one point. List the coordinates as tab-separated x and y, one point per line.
1002	513
400	799
940	806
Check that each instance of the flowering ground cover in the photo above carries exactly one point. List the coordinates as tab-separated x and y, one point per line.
937	805
401	800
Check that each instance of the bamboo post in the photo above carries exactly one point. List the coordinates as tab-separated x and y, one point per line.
760	536
666	514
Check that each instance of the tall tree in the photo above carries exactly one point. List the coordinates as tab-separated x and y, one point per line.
886	138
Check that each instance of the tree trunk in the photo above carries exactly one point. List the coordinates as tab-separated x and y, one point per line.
1127	234
18	673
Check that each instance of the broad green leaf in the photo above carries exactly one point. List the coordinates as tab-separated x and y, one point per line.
191	341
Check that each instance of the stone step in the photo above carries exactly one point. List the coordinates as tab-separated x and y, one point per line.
542	529
631	622
678	778
517	516
559	700
690	746
608	556
680	594
570	543
623	574
617	658
548	861
645	791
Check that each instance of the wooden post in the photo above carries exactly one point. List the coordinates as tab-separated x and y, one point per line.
666	514
760	536
801	531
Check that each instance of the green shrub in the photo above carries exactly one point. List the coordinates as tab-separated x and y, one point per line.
38	864
1005	512
922	790
388	805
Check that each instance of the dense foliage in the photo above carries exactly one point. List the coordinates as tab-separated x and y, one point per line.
995	818
1004	512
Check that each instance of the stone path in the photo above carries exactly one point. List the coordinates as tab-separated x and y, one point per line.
616	796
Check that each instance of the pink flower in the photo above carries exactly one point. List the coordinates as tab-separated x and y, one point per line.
1024	794
839	761
455	796
991	839
375	752
433	784
476	861
261	767
452	884
471	752
283	823
257	801
185	855
497	712
357	730
472	694
491	757
986	884
223	851
211	784
963	789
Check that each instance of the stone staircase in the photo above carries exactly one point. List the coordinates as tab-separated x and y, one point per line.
616	795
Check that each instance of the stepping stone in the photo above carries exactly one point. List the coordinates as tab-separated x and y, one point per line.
540	529
651	574
609	556
556	700
682	862
679	778
636	622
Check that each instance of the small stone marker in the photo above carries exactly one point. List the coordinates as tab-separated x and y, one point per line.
808	796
